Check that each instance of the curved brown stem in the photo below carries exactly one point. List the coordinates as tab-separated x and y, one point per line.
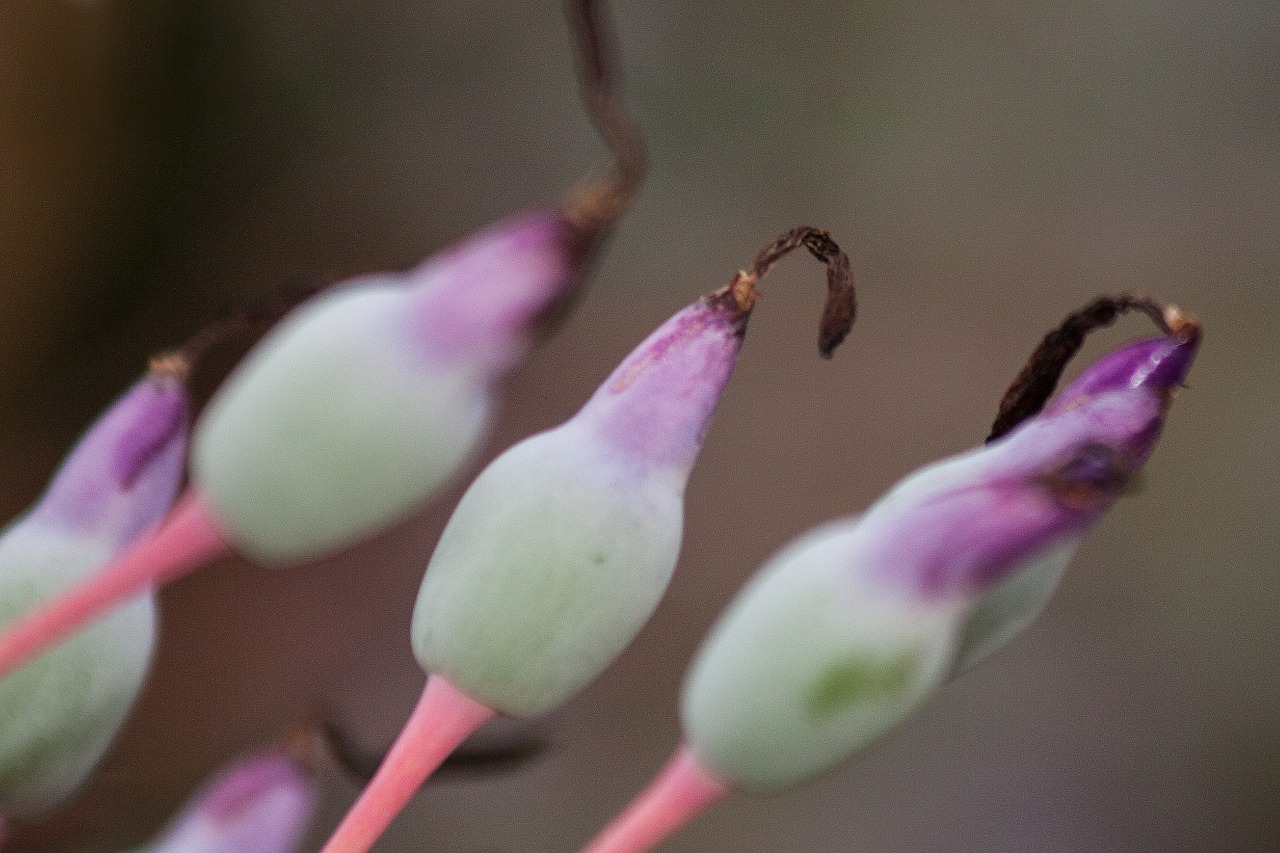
595	208
258	315
1037	380
841	308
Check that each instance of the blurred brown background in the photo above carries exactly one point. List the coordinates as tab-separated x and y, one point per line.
989	165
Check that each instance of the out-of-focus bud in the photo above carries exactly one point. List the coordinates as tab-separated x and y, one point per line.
561	549
367	400
258	805
849	629
59	714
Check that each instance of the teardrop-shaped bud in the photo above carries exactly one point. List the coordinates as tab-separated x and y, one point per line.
59	713
562	547
258	805
846	631
365	401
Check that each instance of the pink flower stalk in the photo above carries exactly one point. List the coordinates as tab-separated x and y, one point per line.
562	547
59	715
846	631
261	804
367	400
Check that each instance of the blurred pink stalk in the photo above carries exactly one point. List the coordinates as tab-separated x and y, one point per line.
444	718
187	541
681	792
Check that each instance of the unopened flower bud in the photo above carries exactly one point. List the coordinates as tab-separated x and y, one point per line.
367	400
847	630
59	713
563	546
258	805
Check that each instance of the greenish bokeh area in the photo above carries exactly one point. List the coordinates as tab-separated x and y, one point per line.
989	166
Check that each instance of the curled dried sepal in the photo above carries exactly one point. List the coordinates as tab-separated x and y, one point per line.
261	804
1036	382
841	308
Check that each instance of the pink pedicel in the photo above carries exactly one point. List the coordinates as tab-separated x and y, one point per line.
187	541
681	792
258	805
443	719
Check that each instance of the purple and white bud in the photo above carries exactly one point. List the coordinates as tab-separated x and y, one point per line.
366	400
847	630
258	805
59	713
561	549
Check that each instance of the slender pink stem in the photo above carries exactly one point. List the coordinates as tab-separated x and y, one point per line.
188	540
682	791
445	716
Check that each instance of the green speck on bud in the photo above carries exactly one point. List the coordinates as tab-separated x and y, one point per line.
788	684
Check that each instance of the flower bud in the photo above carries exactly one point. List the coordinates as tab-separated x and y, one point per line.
562	547
258	805
847	630
60	712
365	401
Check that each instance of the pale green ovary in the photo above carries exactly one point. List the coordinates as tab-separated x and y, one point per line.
333	429
805	670
550	565
59	713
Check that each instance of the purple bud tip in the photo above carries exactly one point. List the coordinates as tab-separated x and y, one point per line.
261	804
965	523
1160	364
482	300
123	475
657	404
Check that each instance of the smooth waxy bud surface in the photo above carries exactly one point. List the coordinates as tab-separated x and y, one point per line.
366	400
561	549
59	713
846	631
258	805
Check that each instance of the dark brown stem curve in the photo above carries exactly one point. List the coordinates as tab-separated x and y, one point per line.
360	766
841	307
595	208
258	315
1036	382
